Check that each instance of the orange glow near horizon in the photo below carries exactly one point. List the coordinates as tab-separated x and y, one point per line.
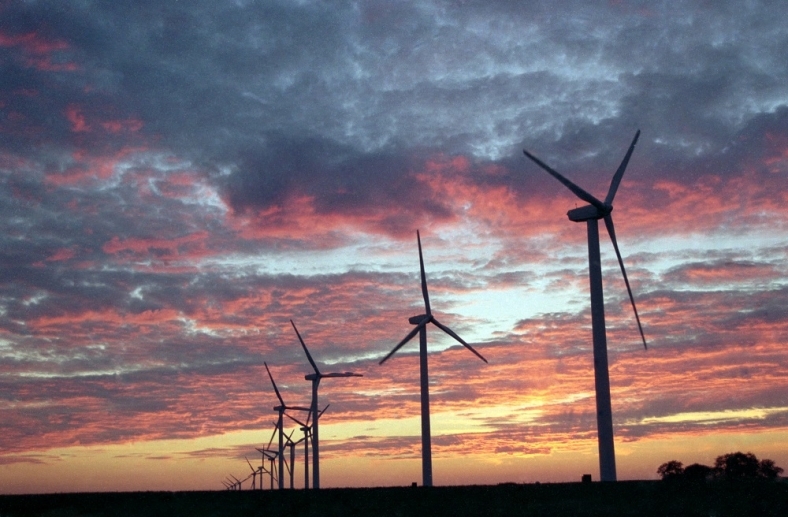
188	465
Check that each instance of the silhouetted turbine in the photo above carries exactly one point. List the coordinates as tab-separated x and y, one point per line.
254	473
237	482
421	322
591	213
281	410
307	430
291	465
315	378
270	455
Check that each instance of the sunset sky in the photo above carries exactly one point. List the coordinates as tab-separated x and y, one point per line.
178	180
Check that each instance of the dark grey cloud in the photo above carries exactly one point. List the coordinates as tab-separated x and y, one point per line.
320	98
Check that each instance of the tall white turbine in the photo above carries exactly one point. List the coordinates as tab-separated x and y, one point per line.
281	410
315	378
591	214
421	322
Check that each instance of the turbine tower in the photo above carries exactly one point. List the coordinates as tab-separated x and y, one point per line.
315	379
421	322
591	214
281	410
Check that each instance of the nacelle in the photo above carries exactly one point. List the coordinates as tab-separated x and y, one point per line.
587	213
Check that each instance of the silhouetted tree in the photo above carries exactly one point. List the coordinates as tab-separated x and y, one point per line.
767	469
739	465
670	470
697	472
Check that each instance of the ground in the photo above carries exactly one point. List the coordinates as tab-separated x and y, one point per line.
641	498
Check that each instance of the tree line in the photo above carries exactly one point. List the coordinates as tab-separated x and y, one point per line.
732	466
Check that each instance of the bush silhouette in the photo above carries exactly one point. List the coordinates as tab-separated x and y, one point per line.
767	469
734	466
671	470
697	472
739	466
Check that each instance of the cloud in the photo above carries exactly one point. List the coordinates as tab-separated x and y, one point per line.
178	183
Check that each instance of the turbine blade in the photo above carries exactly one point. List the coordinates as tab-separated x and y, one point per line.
272	437
308	355
579	192
250	465
612	232
423	277
298	408
406	339
324	410
458	338
272	382
289	438
297	421
611	193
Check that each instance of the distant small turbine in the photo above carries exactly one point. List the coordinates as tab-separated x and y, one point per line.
237	482
421	322
592	213
254	473
260	471
315	378
281	410
270	455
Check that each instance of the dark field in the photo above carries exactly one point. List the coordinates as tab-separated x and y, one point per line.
641	498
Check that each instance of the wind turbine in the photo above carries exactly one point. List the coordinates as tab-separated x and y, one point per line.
421	322
591	214
271	457
254	474
291	466
237	482
307	430
315	378
257	471
281	410
267	453
262	470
